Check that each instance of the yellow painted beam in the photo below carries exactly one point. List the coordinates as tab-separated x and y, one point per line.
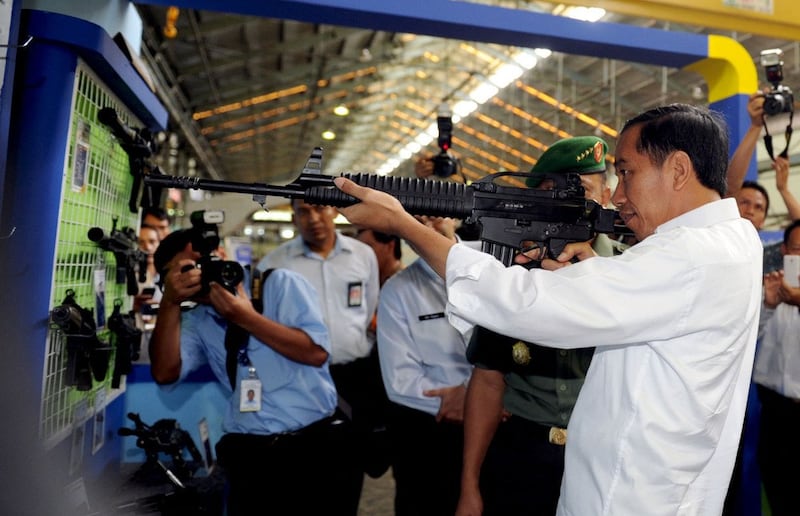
782	23
728	69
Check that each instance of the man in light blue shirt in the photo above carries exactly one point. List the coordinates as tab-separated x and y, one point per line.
292	436
344	272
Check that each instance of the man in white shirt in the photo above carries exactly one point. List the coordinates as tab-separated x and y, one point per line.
425	371
674	319
777	378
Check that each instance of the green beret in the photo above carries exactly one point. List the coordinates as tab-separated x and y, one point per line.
581	155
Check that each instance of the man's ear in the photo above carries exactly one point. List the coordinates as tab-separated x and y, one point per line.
680	166
606	196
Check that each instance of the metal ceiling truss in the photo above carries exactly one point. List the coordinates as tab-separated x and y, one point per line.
256	88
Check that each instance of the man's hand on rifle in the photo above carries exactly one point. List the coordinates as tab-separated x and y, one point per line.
377	210
382	212
575	251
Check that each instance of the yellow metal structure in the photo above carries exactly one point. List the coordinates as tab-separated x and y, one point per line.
773	18
728	69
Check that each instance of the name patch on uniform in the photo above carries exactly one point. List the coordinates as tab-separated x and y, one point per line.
428	317
355	293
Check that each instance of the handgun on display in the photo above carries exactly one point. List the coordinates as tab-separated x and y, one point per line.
510	218
127	340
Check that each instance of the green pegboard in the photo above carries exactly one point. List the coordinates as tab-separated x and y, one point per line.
96	189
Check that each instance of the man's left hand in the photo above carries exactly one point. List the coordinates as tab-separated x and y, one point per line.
231	307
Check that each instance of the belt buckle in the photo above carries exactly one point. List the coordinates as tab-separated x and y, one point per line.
558	436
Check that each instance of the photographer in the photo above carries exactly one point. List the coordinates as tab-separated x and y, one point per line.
279	452
777	380
753	204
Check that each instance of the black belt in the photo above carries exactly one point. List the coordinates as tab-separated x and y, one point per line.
552	434
316	426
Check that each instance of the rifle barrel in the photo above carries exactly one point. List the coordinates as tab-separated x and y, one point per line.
418	196
196	183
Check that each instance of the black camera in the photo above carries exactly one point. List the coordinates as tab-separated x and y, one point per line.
444	164
779	99
225	272
205	240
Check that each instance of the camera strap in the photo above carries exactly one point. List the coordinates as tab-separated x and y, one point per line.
235	336
768	138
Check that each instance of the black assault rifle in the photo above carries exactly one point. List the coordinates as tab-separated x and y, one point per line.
131	261
510	218
140	146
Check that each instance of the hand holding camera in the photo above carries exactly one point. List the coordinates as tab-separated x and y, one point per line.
205	240
181	282
779	98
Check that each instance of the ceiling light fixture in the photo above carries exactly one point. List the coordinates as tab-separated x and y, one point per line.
589	14
328	135
341	110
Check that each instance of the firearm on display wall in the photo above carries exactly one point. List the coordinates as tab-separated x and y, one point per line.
127	341
140	146
87	356
164	436
510	219
130	260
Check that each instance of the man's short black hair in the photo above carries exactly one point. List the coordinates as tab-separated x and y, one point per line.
172	244
385	238
156	211
787	233
756	186
699	132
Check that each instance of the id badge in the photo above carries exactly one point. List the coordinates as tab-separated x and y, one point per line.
250	395
355	294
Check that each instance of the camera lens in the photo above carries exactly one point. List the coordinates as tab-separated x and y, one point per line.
231	273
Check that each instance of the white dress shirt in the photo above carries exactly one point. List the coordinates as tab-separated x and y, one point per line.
347	283
674	320
778	358
417	346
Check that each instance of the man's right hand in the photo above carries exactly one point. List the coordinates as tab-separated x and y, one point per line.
234	308
470	503
574	250
182	281
772	285
755	108
423	166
